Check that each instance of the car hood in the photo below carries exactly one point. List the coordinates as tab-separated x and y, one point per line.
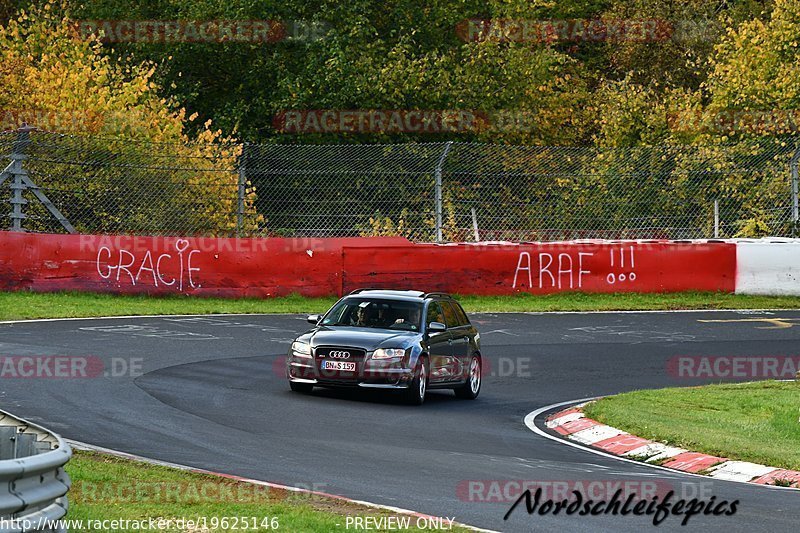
366	338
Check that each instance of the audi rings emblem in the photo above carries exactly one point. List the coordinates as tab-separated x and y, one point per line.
337	354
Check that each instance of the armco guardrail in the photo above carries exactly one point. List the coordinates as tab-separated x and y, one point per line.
33	483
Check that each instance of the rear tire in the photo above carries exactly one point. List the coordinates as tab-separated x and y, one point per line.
305	388
415	393
471	389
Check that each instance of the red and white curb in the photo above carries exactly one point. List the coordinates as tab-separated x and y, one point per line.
573	425
398	510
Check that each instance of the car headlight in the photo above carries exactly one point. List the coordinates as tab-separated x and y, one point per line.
301	349
388	353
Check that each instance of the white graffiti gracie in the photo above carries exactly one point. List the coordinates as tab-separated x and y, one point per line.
162	270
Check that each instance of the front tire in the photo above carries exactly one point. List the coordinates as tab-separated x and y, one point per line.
415	393
471	389
305	388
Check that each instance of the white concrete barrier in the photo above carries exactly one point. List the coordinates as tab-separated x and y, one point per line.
768	266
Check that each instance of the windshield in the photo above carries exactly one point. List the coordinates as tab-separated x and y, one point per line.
375	313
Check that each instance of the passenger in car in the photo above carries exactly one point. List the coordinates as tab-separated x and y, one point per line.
363	318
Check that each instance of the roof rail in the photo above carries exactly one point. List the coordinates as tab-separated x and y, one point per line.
436	294
367	289
417	294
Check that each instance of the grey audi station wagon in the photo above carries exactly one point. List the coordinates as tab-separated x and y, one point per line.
411	341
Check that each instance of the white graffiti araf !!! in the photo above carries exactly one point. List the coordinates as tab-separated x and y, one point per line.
565	270
157	269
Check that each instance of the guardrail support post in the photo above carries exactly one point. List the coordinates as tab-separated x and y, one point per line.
438	192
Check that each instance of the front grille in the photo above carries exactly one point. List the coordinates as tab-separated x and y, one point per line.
356	355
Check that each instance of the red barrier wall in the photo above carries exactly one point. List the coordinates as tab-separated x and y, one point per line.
170	265
317	267
545	268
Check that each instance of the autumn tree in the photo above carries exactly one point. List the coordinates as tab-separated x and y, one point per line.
56	79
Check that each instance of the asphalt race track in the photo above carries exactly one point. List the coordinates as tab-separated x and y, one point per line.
208	395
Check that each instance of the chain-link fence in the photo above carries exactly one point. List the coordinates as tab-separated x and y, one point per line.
426	191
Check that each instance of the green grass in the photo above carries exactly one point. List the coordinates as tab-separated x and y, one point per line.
755	422
109	488
576	301
27	305
22	305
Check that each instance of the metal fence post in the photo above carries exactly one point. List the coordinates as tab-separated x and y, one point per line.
16	172
716	219
439	166
795	159
475	225
17	201
21	183
241	189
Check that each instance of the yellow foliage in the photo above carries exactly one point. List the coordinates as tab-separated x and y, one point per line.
756	70
754	228
384	226
57	80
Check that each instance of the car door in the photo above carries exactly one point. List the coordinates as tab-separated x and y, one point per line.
459	339
441	354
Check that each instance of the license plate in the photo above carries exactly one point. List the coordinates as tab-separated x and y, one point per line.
338	365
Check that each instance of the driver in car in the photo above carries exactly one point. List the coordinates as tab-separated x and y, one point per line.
382	320
412	320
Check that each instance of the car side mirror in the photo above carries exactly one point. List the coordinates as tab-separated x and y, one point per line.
436	327
313	319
